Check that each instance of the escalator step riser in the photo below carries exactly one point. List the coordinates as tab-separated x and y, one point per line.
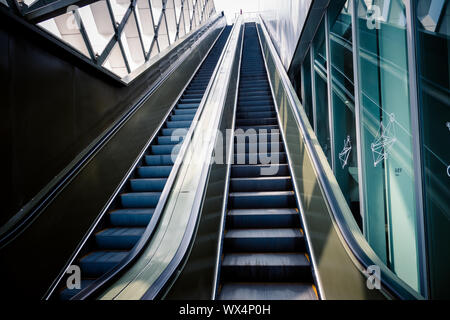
165	149
261	201
241	245
154	171
251	122
262	220
178	124
266	274
249	185
170	139
147	185
159	160
241	171
124	241
257	159
140	200
263	148
131	217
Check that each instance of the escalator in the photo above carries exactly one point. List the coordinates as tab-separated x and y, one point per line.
264	254
124	224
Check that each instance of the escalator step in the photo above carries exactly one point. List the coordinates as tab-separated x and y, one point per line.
256	121
148	185
267	291
118	238
140	199
154	171
263	218
249	171
267	267
256	158
178	124
159	149
261	200
261	184
99	262
264	240
170	139
159	160
131	217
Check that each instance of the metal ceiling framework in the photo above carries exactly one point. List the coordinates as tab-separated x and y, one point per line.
119	35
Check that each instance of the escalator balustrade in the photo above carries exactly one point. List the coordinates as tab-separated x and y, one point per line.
123	226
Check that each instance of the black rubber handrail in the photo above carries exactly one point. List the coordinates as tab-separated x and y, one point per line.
391	283
36	209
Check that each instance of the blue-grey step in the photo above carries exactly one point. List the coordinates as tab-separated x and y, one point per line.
258	103
131	217
178	124
256	121
258	137
264	240
99	262
188	105
185	111
148	185
174	131
159	160
118	238
259	127
261	184
256	114
195	100
182	117
154	171
159	149
267	291
256	109
262	147
257	170
263	218
262	200
255	158
267	267
170	139
140	199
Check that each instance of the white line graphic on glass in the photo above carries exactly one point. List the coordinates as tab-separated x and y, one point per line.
384	141
345	153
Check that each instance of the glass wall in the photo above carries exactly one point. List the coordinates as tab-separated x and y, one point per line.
322	125
343	104
376	109
433	53
306	88
386	137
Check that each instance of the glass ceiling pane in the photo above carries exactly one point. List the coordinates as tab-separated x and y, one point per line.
115	62
145	22
119	8
156	10
132	44
65	27
98	25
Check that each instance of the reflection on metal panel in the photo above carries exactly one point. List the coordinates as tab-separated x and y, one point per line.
284	21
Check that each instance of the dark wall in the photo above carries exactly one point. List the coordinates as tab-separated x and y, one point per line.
52	106
35	258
